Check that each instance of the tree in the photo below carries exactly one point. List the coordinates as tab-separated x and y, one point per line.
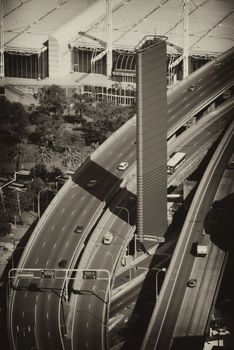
44	155
70	158
39	171
52	100
82	103
18	154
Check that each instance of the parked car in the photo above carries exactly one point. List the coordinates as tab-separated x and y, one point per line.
107	238
122	166
192	283
79	229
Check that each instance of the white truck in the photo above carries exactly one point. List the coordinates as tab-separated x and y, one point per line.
201	249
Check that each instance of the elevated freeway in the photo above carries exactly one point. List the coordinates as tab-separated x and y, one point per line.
160	332
54	236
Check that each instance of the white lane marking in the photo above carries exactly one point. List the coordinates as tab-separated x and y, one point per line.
202	93
87	344
89	306
131	154
37	298
119	155
187	105
74	186
54	245
185	98
23	314
73	195
195	144
84	212
62	210
49	296
52	228
49	334
17	328
94	287
36	261
73	212
47	262
66	244
25	295
63	228
43	244
82	198
110	153
24	333
87	324
47	315
29	329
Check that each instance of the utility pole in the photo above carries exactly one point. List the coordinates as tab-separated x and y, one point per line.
1	41
186	39
108	38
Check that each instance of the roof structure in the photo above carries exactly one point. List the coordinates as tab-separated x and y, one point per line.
29	23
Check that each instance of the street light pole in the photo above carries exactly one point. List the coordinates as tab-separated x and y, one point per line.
128	216
38	202
1	192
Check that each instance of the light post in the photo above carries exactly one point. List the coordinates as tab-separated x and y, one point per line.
163	269
128	218
38	202
156	281
1	192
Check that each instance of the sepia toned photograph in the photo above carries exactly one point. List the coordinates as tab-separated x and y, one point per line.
117	175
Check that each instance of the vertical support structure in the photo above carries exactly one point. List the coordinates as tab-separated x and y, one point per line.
108	38
186	39
151	137
1	41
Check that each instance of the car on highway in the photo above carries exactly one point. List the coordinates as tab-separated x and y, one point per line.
122	166
62	263
192	282
192	88
107	238
230	165
91	183
79	229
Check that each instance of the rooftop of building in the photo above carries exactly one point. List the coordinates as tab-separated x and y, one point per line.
29	23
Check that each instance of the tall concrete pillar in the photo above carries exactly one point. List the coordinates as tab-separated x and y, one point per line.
151	137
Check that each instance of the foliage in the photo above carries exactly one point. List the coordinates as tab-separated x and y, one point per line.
52	100
17	155
14	120
81	103
39	171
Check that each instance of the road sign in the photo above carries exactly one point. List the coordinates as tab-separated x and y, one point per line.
154	239
89	275
48	274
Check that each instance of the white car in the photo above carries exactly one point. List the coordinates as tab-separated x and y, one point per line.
91	183
122	166
107	238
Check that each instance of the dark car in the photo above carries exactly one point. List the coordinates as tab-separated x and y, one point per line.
192	88
192	283
79	229
62	263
